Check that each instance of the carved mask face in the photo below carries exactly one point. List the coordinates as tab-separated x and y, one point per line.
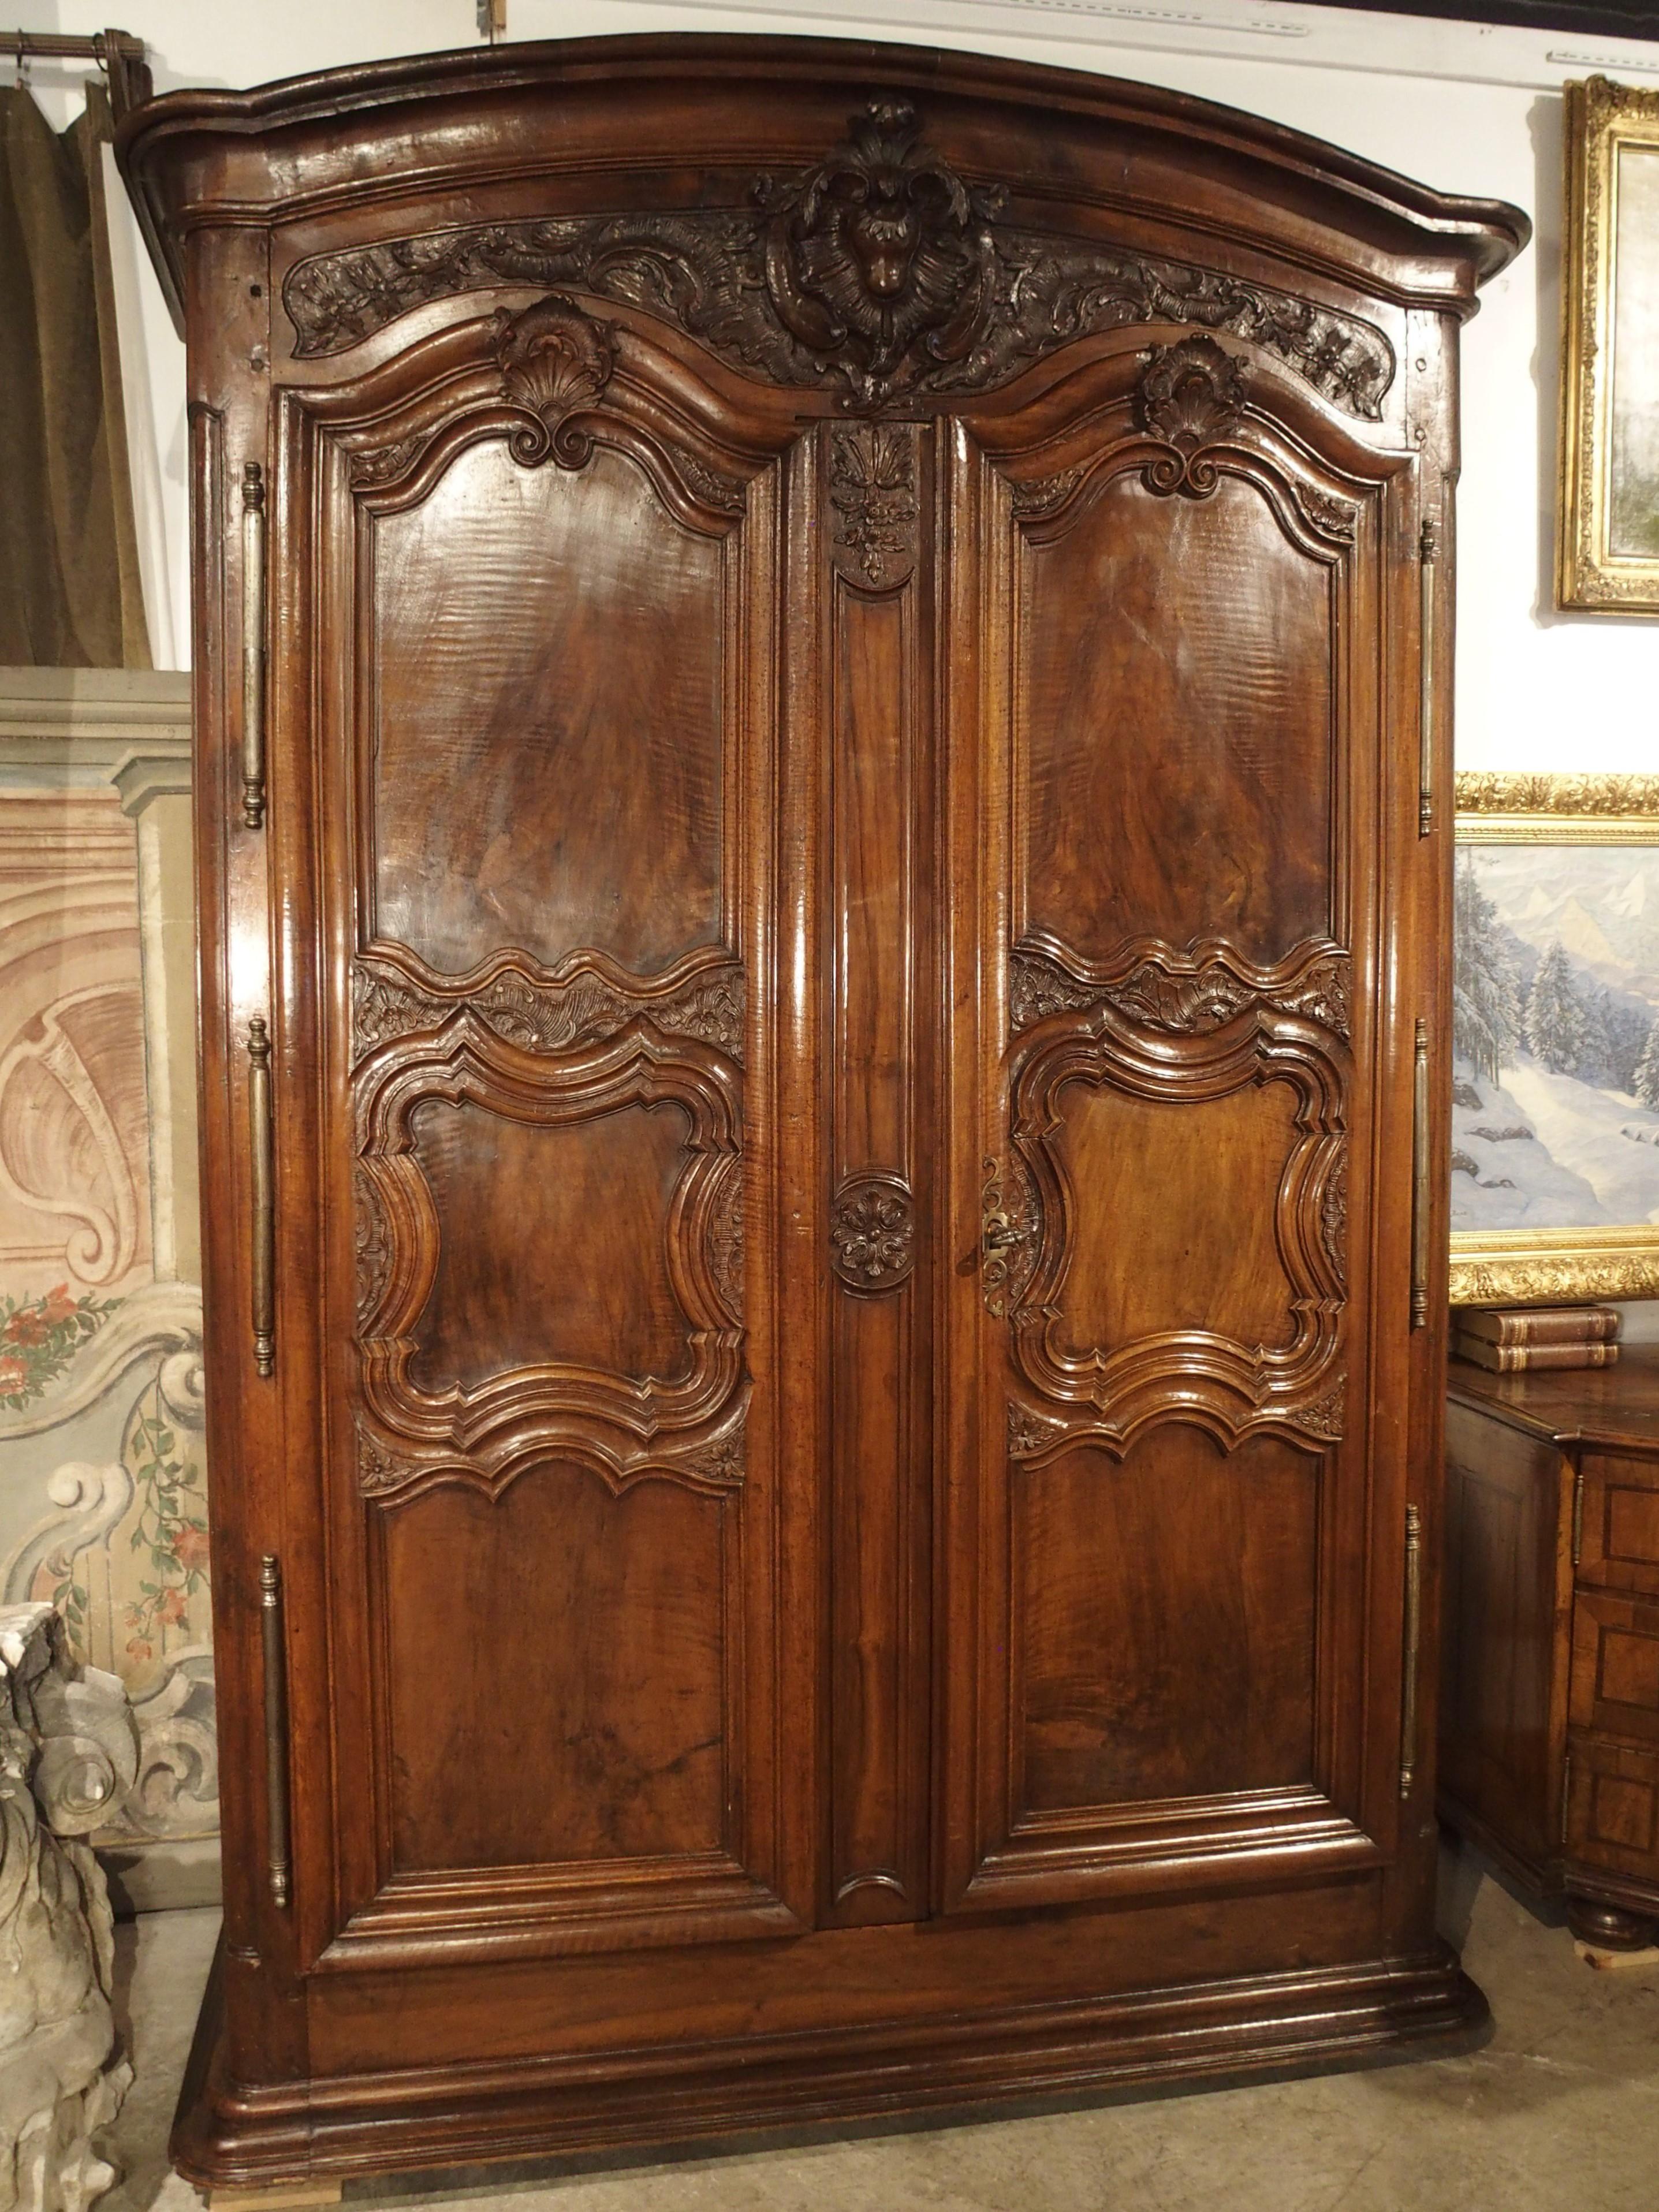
881	223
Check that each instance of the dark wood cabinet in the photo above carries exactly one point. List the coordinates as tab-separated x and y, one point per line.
824	822
1550	1712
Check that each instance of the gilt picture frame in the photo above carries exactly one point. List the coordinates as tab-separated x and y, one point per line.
1555	1114
1607	519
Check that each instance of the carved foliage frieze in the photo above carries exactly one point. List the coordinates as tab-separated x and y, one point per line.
879	271
550	1016
1183	993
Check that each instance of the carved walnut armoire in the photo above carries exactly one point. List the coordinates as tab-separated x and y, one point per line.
824	825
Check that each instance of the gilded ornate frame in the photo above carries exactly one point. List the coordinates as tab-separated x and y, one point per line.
1555	1265
1602	119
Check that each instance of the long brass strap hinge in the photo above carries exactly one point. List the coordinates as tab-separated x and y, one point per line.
262	1181
273	1644
1414	1636
253	645
1422	1185
1577	1514
1428	556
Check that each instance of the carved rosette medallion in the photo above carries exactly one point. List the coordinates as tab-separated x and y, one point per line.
878	272
873	1232
555	363
872	490
1192	396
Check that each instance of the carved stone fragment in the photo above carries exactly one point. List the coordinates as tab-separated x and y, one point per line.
879	271
68	1751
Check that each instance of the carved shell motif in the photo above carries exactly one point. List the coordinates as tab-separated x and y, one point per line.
1190	395
554	361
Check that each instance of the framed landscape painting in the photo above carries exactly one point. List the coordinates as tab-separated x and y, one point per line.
1555	1040
1607	531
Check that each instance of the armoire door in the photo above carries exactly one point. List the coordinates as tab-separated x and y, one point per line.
528	769
1174	1548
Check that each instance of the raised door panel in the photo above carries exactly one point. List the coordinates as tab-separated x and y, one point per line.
1620	1545
550	1404
1615	1666
1164	1513
1612	1806
1508	1589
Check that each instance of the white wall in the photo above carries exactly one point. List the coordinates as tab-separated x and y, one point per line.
1468	108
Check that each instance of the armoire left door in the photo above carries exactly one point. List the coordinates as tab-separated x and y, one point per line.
532	1152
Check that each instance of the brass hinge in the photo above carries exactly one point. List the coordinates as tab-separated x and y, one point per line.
1428	555
253	645
263	1179
1421	1179
1577	1513
1414	1631
273	1644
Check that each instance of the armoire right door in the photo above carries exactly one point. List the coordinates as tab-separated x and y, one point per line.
1172	1541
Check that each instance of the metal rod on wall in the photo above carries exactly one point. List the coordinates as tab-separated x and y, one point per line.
118	53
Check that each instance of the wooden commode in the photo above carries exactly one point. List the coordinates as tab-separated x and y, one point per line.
1549	1709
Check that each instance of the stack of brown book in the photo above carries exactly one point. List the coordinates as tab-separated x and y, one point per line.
1516	1339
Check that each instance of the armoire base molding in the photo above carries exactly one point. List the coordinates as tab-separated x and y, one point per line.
227	2138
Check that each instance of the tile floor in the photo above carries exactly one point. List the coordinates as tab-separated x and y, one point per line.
1558	2113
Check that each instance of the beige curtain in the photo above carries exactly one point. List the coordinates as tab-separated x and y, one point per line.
69	593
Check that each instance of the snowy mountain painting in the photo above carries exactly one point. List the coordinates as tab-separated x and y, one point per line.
1555	1099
